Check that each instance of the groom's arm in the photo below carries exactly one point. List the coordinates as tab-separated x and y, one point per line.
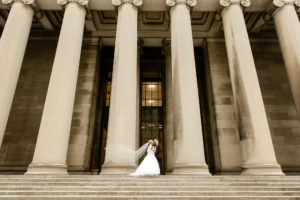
159	149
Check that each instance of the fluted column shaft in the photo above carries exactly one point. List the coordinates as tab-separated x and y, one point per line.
288	31
122	112
257	147
52	144
13	43
189	155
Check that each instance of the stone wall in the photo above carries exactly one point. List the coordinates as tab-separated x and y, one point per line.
223	107
24	121
281	112
282	116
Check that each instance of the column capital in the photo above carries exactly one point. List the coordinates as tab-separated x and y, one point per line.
281	3
27	2
190	3
136	3
31	3
243	3
79	2
83	3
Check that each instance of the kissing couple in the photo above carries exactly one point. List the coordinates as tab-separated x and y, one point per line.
152	163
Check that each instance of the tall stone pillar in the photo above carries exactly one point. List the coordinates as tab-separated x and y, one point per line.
256	143
121	135
189	155
169	131
13	43
52	144
288	31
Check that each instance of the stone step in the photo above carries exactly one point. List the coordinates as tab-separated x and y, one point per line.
139	180
155	198
161	187
146	188
167	177
228	184
147	193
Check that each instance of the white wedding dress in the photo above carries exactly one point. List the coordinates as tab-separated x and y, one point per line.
149	166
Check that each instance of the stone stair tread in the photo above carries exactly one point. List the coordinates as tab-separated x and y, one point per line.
160	187
146	193
153	198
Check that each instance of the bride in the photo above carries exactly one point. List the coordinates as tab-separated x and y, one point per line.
149	166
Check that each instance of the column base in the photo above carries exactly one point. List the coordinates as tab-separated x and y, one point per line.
262	169
118	169
191	170
47	169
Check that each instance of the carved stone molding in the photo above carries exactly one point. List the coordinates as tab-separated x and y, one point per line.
190	3
226	3
166	43
80	2
27	2
281	3
136	3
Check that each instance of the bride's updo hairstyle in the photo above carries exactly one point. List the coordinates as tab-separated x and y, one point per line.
150	142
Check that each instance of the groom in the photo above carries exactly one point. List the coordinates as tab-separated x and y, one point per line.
159	155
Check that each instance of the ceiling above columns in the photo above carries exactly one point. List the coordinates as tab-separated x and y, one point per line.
154	19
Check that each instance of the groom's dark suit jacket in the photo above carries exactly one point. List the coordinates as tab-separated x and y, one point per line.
159	151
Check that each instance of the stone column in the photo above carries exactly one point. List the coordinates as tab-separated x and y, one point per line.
169	131
121	135
256	142
52	144
288	31
189	155
13	43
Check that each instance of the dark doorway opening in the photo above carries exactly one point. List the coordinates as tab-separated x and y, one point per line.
152	101
152	91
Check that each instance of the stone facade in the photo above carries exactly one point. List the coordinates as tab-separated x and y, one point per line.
223	107
50	98
23	125
24	121
282	116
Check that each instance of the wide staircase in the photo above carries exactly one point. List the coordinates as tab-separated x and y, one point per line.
74	187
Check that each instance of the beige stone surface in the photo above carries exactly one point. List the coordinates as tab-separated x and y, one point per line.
288	31
24	120
169	130
52	144
256	143
188	143
122	112
12	48
82	122
280	108
223	108
25	116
